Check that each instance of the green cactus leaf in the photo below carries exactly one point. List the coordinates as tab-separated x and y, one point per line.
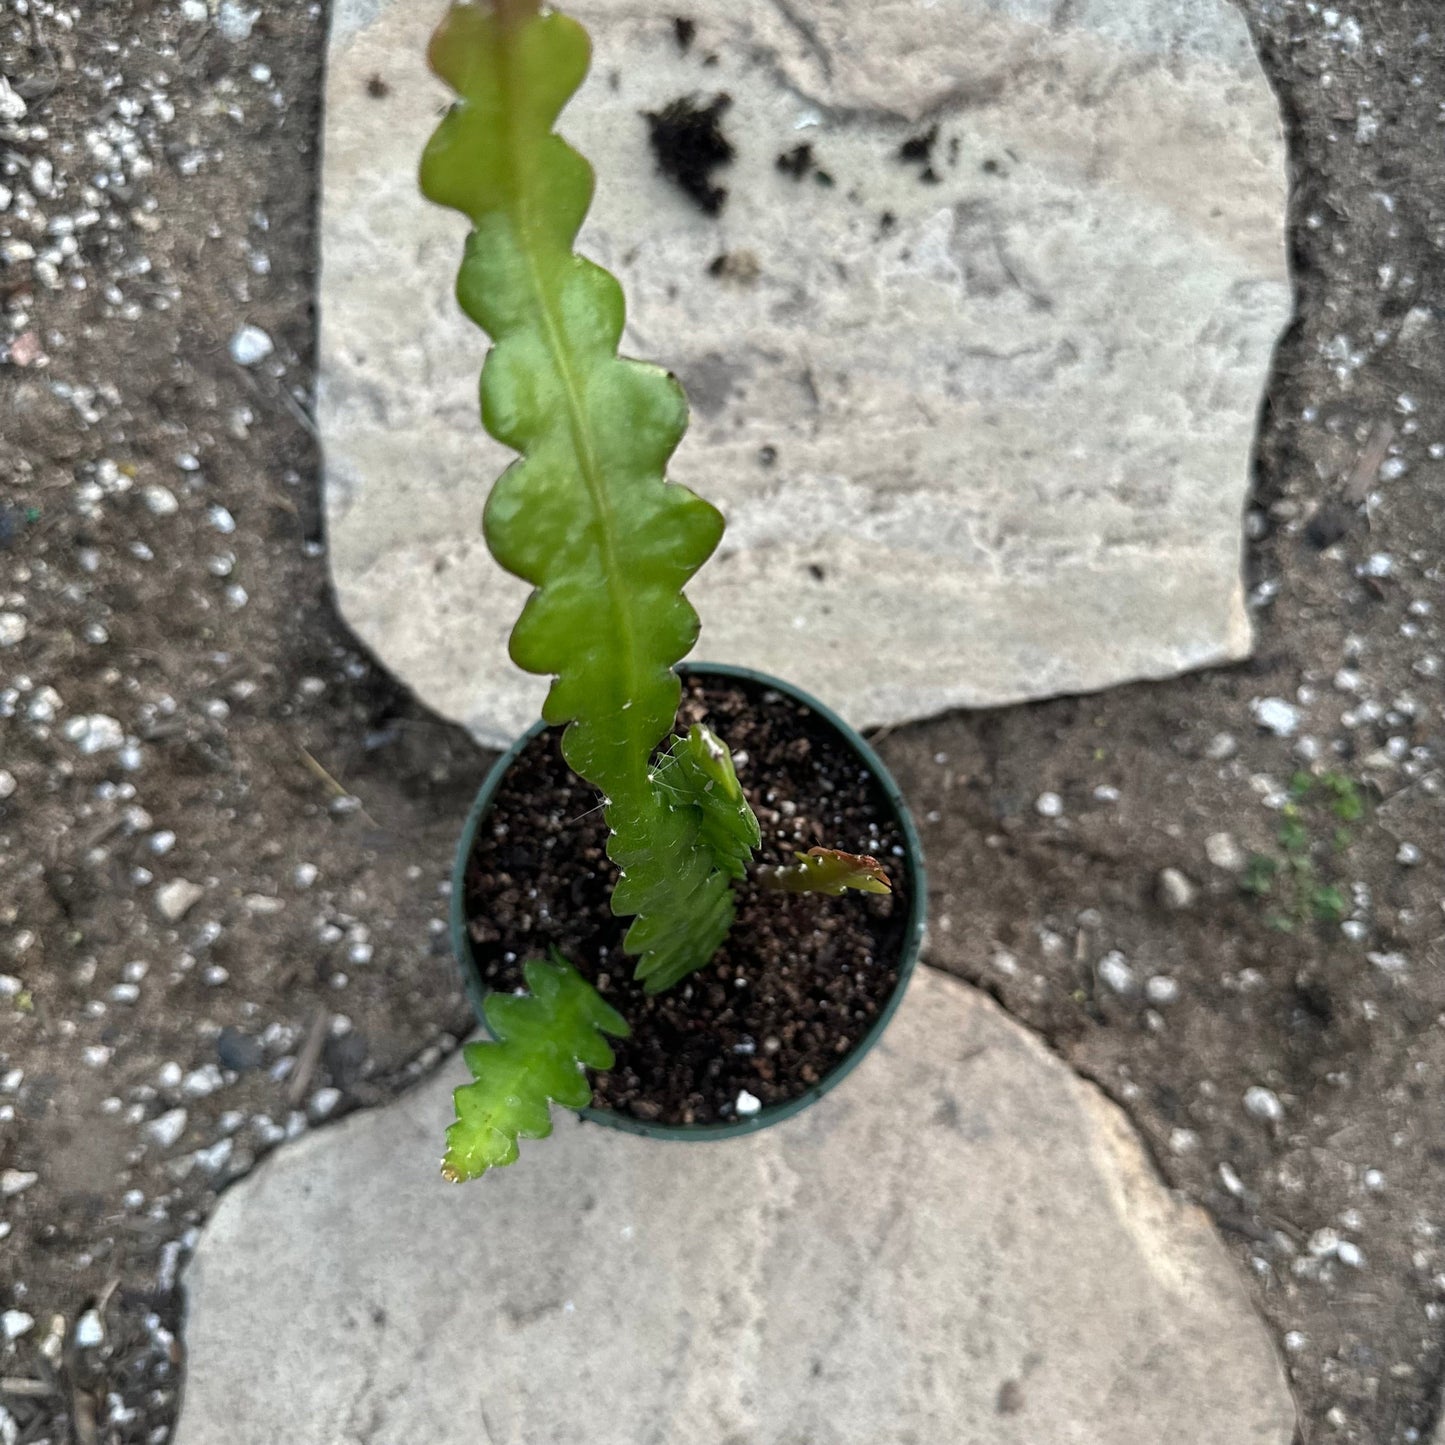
542	1042
585	514
827	870
698	769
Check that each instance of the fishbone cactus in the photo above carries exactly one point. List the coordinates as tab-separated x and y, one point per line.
586	514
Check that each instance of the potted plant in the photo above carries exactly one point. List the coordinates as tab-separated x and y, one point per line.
616	906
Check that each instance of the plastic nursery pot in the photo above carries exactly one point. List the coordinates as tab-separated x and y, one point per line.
911	862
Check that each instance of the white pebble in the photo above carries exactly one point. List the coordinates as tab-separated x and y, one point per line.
12	107
167	1129
323	1102
1115	971
1350	1254
161	501
94	733
1221	747
1407	853
1276	715
234	21
176	898
251	345
1389	962
7	784
1161	989
747	1103
1175	890
89	1332
202	1081
14	1323
1049	805
214	1159
1262	1103
13	628
1225	853
16	1181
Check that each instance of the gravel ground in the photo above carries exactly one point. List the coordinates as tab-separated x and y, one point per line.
224	834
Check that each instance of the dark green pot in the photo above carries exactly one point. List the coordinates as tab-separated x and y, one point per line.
912	939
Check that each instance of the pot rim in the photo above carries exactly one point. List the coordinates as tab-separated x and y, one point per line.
910	946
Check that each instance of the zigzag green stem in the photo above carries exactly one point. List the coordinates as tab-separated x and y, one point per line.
585	515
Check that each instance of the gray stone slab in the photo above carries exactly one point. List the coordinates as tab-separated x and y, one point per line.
962	1243
1012	434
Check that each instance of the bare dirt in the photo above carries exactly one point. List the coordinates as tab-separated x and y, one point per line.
180	705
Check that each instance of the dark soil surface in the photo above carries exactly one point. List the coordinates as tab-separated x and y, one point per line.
801	978
184	706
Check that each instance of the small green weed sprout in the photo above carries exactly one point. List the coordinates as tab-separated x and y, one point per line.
1316	826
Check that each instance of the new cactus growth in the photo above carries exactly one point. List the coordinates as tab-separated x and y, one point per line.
588	518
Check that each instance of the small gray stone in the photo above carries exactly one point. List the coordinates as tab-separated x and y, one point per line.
16	1181
1418	322
12	107
215	1159
95	733
166	1130
323	1103
1226	854
89	1331
176	898
250	346
160	501
236	21
1114	970
1275	715
1176	891
237	1051
1161	989
1264	1104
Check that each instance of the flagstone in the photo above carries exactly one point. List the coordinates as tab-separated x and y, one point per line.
963	1241
979	438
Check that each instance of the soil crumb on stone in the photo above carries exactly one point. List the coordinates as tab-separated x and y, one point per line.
689	144
918	150
741	266
683	31
800	162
